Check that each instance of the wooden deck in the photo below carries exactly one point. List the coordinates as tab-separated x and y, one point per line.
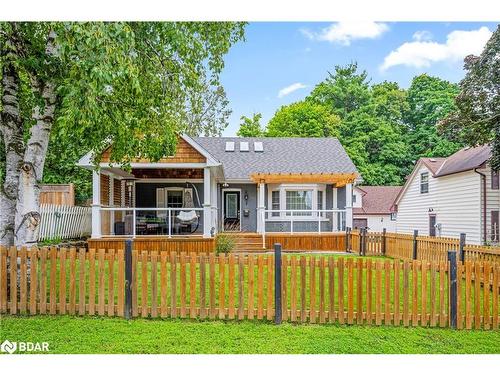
245	242
179	244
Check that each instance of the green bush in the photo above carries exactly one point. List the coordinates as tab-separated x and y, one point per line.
223	243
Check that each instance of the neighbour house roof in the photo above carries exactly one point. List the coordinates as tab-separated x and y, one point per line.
278	156
463	160
433	163
377	199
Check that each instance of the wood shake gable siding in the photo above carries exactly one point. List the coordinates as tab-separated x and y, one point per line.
454	199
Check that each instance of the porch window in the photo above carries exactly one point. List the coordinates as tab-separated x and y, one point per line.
319	202
275	202
424	183
299	200
174	198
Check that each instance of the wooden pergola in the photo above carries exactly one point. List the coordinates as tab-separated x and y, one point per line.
339	179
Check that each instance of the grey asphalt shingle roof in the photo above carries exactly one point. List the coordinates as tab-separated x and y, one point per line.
280	155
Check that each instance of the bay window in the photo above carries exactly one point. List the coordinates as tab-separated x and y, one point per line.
296	197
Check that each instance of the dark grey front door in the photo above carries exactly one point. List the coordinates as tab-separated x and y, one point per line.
232	210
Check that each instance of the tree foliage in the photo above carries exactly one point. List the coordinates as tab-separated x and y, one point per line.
476	119
87	85
383	127
250	127
303	119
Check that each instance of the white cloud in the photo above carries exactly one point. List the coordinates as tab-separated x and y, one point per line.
422	35
345	32
289	89
422	53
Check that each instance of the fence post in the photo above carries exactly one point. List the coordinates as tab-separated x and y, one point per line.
415	235
277	283
461	247
452	258
347	239
128	279
383	241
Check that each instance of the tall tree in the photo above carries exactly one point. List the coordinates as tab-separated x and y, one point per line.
430	99
303	119
135	85
250	126
343	91
476	119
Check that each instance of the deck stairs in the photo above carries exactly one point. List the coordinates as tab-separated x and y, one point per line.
247	242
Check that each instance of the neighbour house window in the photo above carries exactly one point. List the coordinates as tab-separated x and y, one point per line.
394	216
494	180
354	198
495	231
299	200
275	202
424	182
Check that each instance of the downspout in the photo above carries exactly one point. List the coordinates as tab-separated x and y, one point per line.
484	203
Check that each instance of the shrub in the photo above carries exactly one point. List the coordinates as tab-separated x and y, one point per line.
223	243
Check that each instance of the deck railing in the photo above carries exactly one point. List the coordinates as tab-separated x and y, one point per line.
158	221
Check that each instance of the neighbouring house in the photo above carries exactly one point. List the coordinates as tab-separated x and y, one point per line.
453	195
214	184
373	207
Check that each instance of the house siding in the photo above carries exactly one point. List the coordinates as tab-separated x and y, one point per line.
454	199
492	202
376	223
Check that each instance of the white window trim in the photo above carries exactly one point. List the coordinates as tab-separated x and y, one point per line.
283	188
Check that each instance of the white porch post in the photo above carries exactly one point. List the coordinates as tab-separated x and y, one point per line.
207	208
335	206
96	204
261	192
213	192
348	205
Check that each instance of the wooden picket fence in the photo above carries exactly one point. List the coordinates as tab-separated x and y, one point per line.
62	222
435	249
314	289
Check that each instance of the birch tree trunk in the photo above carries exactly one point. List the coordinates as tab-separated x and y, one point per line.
12	134
27	217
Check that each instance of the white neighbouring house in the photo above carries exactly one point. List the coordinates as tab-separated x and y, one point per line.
453	195
373	207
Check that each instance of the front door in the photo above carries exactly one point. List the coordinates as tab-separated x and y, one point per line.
432	225
231	210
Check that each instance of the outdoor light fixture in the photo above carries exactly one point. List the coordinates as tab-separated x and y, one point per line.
246	197
225	184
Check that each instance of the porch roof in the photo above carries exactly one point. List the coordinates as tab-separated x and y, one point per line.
339	179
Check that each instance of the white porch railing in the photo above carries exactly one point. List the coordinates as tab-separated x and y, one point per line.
161	221
302	221
63	222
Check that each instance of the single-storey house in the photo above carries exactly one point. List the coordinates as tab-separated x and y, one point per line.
373	207
218	184
453	195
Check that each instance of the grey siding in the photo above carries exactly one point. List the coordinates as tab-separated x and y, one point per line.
248	224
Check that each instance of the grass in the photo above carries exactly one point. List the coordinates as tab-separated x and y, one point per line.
67	334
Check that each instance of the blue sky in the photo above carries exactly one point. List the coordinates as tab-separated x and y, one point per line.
287	56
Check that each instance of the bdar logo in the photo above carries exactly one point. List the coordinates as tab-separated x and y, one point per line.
8	347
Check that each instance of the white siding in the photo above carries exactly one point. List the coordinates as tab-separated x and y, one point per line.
359	198
454	199
492	202
376	223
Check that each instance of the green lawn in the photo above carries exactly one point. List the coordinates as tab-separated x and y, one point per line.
67	334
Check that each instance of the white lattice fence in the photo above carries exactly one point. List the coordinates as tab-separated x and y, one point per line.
63	222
